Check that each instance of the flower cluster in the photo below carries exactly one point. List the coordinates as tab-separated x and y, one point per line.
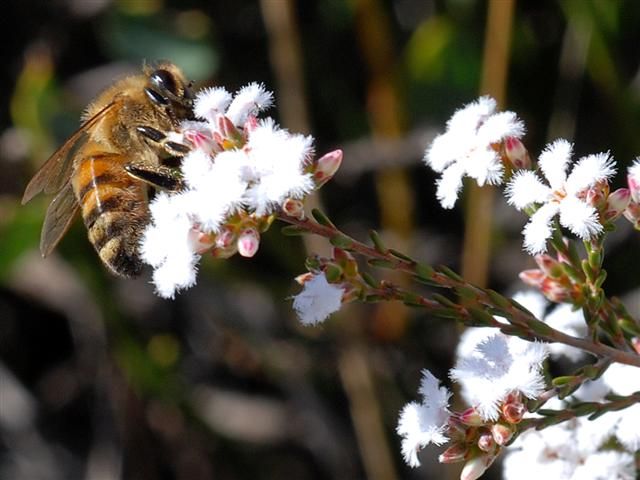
485	145
239	172
597	449
329	284
495	378
478	143
565	196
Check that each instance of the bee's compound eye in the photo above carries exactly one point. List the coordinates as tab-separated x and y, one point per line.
164	80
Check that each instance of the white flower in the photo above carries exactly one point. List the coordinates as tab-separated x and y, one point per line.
423	423
500	365
623	424
558	453
625	380
275	168
250	100
167	245
237	165
561	197
210	102
317	300
465	149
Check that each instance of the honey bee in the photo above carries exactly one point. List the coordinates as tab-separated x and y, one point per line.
107	166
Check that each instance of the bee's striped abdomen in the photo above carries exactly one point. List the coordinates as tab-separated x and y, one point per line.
114	210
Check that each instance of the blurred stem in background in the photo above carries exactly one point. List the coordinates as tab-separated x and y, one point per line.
476	253
387	117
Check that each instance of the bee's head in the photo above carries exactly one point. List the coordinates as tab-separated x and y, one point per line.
167	87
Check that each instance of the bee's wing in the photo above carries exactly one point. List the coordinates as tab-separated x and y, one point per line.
55	172
59	216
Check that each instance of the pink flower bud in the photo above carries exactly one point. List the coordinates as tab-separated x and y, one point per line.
476	466
326	167
486	443
471	417
555	291
294	208
502	433
533	277
454	453
635	343
548	265
517	153
513	409
248	242
617	202
200	242
597	194
225	238
632	213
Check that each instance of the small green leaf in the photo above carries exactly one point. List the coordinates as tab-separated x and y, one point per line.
370	280
293	230
449	273
498	300
378	244
380	263
401	256
480	317
424	272
561	381
321	218
341	241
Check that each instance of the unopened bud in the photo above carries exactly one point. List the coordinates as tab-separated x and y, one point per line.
617	202
635	343
476	466
555	291
502	433
200	242
597	194
326	167
294	208
454	454
517	153
632	213
513	408
471	417
549	265
248	242
533	277
225	238
486	443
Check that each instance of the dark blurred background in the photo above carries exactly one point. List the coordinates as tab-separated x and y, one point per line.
101	379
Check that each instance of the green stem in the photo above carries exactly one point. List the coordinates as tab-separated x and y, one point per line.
530	326
592	409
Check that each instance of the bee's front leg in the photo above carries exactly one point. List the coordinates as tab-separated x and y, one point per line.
157	176
173	148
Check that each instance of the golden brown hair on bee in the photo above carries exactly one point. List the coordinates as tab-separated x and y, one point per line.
106	167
